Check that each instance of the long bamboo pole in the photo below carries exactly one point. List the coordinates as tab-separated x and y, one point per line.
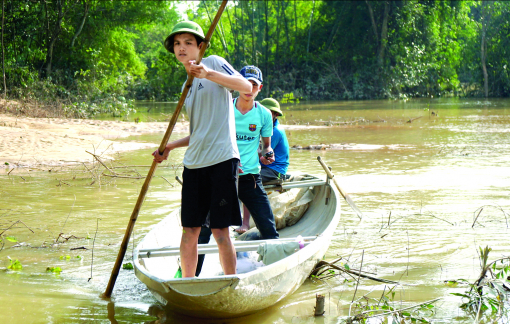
344	194
164	142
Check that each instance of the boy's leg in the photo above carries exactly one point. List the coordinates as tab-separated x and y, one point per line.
246	221
224	210
226	250
194	207
253	195
189	251
203	238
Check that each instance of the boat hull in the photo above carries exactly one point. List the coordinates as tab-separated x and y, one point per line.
246	293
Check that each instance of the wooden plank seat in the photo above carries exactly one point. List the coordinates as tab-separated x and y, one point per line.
241	246
277	182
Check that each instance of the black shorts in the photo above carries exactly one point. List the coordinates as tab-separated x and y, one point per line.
214	189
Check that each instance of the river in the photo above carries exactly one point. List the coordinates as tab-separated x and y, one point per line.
419	170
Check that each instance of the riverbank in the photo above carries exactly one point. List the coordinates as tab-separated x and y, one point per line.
28	142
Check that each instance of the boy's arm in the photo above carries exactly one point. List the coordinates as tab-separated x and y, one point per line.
169	147
266	147
233	82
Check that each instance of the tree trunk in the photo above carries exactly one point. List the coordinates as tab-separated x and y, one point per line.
53	39
78	32
286	24
266	68
235	55
310	28
219	31
295	23
242	32
3	53
253	52
336	27
374	26
384	35
483	49
277	35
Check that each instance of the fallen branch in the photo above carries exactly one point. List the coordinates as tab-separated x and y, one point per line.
62	229
120	176
401	309
79	248
411	119
93	243
99	160
168	181
67	238
18	221
352	273
357	281
482	208
131	166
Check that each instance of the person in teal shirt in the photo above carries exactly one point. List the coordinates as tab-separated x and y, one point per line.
253	123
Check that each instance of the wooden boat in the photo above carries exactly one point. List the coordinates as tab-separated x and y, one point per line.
223	296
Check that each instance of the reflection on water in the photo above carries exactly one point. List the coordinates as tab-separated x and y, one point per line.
418	184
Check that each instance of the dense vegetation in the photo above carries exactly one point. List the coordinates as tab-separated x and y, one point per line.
89	56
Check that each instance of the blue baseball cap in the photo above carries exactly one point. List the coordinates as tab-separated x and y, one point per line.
252	72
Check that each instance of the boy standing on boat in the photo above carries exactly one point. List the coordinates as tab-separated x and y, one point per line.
280	144
212	158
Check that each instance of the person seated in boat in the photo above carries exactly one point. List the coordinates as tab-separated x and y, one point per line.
277	169
212	158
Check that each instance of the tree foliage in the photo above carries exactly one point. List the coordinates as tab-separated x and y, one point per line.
90	51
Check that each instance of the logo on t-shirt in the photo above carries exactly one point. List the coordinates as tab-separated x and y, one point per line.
200	86
253	127
244	138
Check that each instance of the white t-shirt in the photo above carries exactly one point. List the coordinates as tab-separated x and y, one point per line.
212	122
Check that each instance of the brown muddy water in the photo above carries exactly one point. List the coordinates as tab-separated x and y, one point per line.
419	184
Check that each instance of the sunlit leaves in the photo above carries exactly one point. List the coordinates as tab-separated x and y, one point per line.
14	265
128	266
431	48
56	270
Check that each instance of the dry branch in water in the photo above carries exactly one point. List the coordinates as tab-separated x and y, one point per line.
480	209
8	228
114	174
16	222
323	269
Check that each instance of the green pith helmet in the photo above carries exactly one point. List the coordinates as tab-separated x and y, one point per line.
184	27
272	105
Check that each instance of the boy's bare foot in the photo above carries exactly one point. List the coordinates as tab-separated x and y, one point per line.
242	229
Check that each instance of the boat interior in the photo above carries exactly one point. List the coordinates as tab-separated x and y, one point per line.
303	209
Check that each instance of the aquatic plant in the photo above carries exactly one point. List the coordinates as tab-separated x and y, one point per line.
383	308
14	265
56	270
486	297
128	266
